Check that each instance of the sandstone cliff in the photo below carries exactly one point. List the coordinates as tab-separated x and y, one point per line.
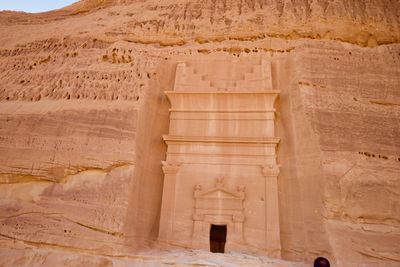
82	112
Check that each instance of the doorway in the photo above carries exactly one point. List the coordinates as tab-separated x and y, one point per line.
217	238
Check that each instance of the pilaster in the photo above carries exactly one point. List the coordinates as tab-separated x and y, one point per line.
272	229
168	204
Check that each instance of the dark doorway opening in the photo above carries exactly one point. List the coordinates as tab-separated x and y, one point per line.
217	238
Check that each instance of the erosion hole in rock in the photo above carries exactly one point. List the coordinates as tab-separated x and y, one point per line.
217	238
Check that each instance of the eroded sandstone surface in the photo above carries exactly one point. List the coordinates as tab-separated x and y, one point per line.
83	111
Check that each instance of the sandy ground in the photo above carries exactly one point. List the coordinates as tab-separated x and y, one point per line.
49	257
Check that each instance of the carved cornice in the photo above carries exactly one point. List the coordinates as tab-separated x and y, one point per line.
271	92
271	110
216	139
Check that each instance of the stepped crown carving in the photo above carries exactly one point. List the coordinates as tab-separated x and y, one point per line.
221	75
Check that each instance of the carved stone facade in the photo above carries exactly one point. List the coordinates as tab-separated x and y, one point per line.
222	129
219	206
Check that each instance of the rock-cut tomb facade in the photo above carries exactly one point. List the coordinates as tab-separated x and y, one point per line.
221	166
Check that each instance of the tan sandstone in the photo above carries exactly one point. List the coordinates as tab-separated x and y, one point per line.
286	113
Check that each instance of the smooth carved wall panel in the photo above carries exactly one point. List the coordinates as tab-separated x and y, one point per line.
221	130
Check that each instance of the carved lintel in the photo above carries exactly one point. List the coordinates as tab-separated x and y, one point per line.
238	218
271	170
198	217
170	167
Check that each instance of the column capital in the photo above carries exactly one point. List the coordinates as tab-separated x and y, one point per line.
170	167
271	170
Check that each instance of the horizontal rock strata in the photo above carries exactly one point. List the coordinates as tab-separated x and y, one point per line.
82	114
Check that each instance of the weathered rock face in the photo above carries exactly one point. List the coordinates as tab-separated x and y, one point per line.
83	111
366	23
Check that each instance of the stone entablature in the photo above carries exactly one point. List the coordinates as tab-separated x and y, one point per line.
222	128
223	114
